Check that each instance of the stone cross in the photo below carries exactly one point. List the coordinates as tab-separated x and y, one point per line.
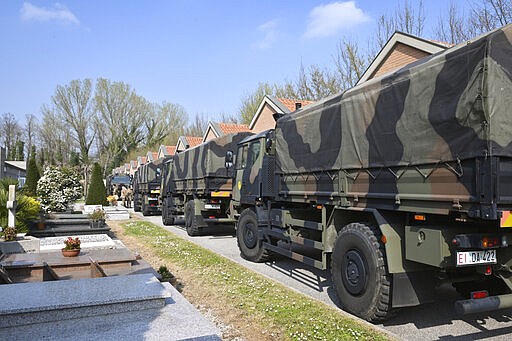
11	206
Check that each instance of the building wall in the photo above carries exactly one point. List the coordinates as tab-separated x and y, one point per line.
400	56
265	120
210	136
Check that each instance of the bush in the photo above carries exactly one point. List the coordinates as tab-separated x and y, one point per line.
32	175
97	193
27	209
58	187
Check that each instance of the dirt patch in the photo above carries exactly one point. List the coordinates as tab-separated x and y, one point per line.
233	323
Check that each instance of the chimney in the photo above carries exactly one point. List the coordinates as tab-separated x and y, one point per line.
298	105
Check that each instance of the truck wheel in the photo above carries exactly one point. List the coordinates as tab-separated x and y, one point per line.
190	219
136	206
145	211
359	272
251	248
167	218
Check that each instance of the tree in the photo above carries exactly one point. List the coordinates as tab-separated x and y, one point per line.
405	18
10	132
97	193
350	63
198	126
56	141
73	106
119	120
58	187
33	175
459	25
167	122
30	131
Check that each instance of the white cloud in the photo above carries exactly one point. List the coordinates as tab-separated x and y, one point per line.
327	20
58	12
269	30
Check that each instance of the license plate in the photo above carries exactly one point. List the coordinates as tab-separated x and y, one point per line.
212	207
476	257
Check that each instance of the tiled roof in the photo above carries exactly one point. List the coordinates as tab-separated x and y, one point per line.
445	44
193	141
170	150
291	103
228	128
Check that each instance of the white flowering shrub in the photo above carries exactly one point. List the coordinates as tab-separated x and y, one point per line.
58	187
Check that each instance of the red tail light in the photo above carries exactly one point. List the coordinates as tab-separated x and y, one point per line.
488	270
211	217
489	242
479	294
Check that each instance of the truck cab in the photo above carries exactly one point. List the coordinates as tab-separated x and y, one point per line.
253	177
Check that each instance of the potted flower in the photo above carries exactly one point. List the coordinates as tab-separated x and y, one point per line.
71	247
10	234
97	218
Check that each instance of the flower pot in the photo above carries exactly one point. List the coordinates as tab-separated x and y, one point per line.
70	253
96	224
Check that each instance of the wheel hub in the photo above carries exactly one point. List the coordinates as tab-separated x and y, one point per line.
250	239
354	274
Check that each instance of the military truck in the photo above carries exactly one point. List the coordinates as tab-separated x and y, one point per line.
146	188
197	184
399	184
117	180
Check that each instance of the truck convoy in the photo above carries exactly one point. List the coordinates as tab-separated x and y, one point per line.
398	185
146	188
197	184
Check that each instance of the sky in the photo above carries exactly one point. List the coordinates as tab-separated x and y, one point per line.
204	55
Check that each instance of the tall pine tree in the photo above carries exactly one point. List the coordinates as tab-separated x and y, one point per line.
97	193
32	174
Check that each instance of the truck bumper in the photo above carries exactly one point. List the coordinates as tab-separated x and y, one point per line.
480	305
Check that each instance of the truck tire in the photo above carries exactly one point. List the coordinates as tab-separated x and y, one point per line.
251	248
167	217
145	211
359	272
136	206
190	219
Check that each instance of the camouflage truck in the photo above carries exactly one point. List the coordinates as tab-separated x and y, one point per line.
198	185
117	180
398	185
146	188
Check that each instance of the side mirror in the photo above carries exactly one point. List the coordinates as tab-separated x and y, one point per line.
268	144
228	162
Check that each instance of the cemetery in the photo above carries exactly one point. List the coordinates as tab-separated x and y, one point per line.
47	292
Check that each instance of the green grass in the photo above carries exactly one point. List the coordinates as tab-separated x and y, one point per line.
294	316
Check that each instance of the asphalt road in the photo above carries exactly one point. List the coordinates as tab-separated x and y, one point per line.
434	321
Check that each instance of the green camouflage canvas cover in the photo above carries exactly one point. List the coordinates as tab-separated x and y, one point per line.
453	105
206	159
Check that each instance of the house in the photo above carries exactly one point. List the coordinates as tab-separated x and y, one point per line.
216	129
400	50
141	160
165	152
151	156
12	169
264	117
185	142
131	167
